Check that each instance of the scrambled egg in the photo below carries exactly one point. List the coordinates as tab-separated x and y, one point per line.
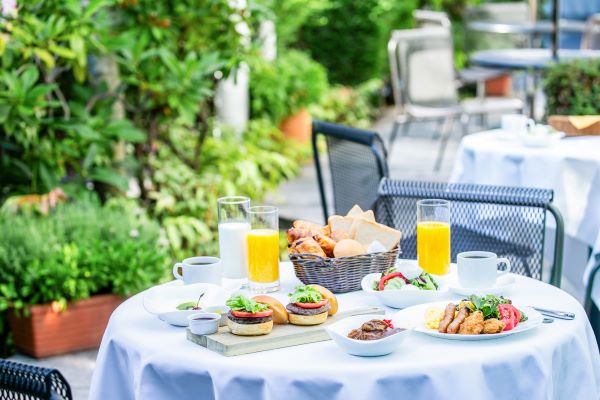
433	317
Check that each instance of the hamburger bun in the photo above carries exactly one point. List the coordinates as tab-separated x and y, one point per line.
326	293
250	329
317	319
280	314
348	248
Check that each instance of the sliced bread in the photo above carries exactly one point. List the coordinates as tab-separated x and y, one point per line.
365	232
338	223
355	211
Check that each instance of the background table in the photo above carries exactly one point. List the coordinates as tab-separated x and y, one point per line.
571	169
144	358
531	28
527	58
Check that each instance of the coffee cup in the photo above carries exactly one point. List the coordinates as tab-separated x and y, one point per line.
479	269
516	124
198	270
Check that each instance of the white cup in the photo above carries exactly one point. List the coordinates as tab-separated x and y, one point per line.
199	270
517	124
479	269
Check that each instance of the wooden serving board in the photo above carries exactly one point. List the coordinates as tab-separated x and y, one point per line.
227	344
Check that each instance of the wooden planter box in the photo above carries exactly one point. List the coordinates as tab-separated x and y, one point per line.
46	332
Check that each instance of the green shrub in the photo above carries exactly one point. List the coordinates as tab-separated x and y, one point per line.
573	88
80	249
282	88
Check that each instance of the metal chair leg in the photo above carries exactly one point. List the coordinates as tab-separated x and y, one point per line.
464	123
446	130
438	128
404	130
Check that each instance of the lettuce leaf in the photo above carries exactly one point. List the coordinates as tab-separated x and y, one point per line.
242	303
424	282
305	294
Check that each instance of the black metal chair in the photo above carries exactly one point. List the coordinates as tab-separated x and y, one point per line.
25	382
590	307
357	162
509	221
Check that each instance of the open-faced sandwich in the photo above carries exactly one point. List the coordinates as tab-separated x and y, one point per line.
253	317
310	305
344	236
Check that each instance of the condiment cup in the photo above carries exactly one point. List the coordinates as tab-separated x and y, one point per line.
222	310
204	323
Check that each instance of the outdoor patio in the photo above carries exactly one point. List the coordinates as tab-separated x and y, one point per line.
299	199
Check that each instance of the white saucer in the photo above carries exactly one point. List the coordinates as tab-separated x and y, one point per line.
503	284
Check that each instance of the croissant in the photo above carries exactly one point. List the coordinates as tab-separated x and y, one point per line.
326	243
311	226
307	246
294	234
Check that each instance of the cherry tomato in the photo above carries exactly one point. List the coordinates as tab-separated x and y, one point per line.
507	316
312	305
244	314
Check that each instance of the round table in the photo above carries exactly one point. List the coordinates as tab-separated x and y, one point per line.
538	27
527	58
144	358
571	168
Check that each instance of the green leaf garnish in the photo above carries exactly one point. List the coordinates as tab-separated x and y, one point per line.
242	303
305	294
188	305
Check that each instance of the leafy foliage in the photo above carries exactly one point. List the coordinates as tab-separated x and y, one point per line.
305	294
55	121
79	250
574	88
294	81
242	303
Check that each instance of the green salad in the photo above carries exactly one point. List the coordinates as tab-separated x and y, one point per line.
305	294
242	303
394	280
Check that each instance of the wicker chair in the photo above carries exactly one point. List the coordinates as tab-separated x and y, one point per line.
509	221
357	162
25	382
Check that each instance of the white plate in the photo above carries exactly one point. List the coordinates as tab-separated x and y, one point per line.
404	298
163	300
366	348
503	284
547	140
414	317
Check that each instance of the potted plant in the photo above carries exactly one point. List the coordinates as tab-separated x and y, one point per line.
573	91
284	89
62	274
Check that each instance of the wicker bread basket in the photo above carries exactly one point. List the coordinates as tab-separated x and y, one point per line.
343	274
563	124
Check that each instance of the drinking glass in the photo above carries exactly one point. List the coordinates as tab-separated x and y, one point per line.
263	249
433	236
234	224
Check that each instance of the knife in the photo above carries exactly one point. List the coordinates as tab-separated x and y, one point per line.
555	313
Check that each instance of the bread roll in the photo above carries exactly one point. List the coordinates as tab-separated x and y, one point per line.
326	293
280	314
308	246
348	248
298	319
250	329
326	243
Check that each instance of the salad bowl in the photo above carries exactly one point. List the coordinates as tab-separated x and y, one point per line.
407	295
366	348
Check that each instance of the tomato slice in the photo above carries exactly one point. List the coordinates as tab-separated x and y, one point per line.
385	278
312	305
517	315
244	314
507	316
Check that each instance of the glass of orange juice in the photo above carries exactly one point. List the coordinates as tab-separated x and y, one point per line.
263	249
433	236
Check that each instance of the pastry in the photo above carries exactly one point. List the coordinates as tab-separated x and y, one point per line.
326	243
308	246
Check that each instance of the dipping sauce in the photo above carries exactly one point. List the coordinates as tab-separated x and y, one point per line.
374	329
205	319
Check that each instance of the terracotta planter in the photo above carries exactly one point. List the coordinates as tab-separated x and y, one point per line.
46	332
297	126
500	86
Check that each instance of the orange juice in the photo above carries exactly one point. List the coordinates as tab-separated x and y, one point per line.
433	247
263	255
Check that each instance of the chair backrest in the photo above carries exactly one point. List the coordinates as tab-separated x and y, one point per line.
591	36
357	162
429	18
508	221
422	67
22	381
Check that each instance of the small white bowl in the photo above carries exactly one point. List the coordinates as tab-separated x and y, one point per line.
204	323
404	298
366	348
222	310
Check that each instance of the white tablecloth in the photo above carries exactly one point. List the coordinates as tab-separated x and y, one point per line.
571	168
141	357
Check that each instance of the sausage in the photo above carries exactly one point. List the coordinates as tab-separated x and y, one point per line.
448	317
460	318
